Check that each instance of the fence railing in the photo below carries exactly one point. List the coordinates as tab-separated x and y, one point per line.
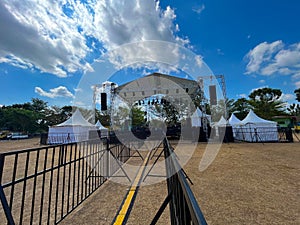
263	134
184	208
44	185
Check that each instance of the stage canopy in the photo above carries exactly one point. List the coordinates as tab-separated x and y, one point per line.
157	83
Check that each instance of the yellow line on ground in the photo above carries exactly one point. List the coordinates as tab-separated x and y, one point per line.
130	195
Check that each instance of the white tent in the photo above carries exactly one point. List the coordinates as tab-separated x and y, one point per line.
234	122
197	116
103	130
256	129
75	129
221	123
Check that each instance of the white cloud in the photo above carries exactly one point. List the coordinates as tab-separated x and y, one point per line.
262	81
44	35
60	91
260	54
297	84
274	58
198	9
254	89
287	97
242	96
199	60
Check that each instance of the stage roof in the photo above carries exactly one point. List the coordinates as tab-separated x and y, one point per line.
157	83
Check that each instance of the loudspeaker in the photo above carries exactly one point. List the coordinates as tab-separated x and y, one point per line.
213	94
103	101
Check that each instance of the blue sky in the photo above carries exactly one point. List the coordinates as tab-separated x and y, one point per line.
46	47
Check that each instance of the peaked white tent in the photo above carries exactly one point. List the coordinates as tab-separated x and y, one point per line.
234	122
103	130
256	129
221	123
197	116
74	129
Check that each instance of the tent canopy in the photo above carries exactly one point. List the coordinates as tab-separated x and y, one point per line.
234	121
74	129
75	120
221	122
99	126
256	129
197	116
253	118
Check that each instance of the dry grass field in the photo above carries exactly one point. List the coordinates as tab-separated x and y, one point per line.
247	183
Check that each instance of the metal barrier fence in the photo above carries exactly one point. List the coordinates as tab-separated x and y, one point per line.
263	134
44	185
256	134
184	208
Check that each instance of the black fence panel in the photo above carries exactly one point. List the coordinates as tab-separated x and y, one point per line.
184	208
44	185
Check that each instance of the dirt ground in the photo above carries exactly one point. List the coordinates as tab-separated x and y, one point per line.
10	145
247	183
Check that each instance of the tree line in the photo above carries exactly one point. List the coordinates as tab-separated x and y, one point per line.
36	116
265	102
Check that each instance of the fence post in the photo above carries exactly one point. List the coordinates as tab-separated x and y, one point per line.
107	157
3	199
6	208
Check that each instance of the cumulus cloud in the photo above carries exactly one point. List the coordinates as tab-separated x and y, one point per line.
261	54
61	37
60	91
287	97
274	58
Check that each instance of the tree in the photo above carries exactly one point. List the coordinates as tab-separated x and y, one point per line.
38	105
137	116
241	108
294	109
167	110
266	103
103	117
230	107
297	92
18	119
218	110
